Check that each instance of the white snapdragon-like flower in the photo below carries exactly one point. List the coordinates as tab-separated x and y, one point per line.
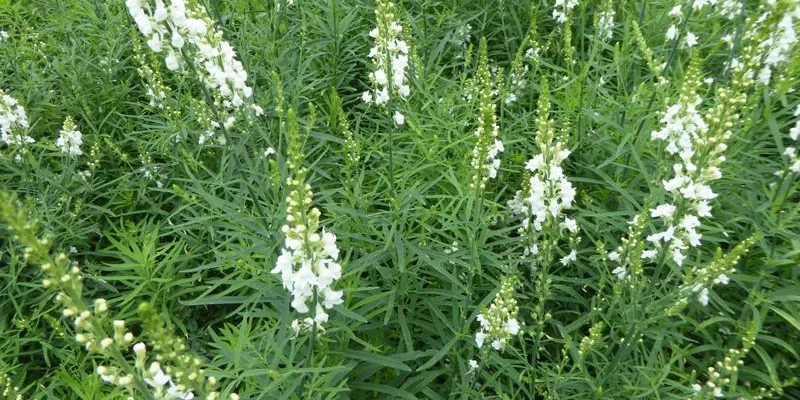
13	122
682	129
550	191
499	322
163	385
562	9
571	257
605	24
399	118
389	57
171	29
778	47
70	139
691	39
307	265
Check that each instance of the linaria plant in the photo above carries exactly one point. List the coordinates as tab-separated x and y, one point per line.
722	375
790	152
111	341
7	388
70	138
546	194
699	156
699	281
307	264
608	122
351	152
13	123
184	32
498	323
604	22
485	156
389	56
524	65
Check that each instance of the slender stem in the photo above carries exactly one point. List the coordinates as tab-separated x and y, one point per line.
391	162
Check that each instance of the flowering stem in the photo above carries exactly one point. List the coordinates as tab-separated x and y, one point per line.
237	152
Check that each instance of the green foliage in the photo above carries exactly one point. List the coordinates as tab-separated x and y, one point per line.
179	235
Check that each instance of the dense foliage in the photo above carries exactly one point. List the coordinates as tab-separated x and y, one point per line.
413	199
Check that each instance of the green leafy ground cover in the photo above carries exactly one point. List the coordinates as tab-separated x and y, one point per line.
584	265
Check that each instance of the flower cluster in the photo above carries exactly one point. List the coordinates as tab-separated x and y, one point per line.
390	59
719	375
562	9
604	24
546	190
183	30
485	161
91	322
70	138
594	340
13	122
526	58
630	252
699	149
499	321
690	39
307	264
699	281
183	371
777	48
157	90
161	383
730	9
7	388
791	151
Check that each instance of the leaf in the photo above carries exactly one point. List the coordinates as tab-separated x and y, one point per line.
377	359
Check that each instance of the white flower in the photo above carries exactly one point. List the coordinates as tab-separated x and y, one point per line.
512	326
157	377
70	140
672	32
380	78
662	211
620	272
257	110
329	243
13	121
571	225
473	365
534	163
613	256
382	97
722	279
571	257
702	297
479	338
399	118
649	254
